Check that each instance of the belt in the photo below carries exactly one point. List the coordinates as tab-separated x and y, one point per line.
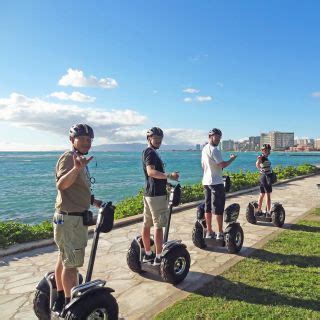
77	214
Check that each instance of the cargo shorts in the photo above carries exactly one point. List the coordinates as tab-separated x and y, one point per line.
155	212
71	237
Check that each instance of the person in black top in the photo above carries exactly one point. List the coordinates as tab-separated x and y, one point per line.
263	164
155	198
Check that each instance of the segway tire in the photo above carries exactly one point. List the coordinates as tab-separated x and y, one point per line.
133	258
250	212
234	239
95	305
41	305
197	236
175	265
278	216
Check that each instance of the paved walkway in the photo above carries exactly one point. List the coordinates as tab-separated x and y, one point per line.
140	297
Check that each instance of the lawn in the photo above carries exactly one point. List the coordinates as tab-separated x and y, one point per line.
280	281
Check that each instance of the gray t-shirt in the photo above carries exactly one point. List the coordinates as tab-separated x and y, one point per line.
212	174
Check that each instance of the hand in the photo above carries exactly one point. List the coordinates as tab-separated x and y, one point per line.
80	162
233	156
175	175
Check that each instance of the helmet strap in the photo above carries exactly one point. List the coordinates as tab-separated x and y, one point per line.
78	152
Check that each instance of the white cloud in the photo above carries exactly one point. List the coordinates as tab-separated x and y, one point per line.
74	96
191	90
57	118
316	94
76	78
184	136
204	98
187	99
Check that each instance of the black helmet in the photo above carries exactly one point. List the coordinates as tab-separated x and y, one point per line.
154	131
266	146
81	129
215	131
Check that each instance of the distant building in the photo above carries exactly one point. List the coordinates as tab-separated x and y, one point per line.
198	147
254	143
227	145
278	140
317	144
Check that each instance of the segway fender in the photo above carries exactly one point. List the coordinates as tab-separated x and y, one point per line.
43	286
230	226
275	206
82	297
173	244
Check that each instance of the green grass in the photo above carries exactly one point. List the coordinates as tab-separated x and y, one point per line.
280	281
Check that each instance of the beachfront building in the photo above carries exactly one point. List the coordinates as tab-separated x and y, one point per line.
227	145
317	144
278	140
254	143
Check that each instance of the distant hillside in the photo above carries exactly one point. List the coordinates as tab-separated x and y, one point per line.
137	147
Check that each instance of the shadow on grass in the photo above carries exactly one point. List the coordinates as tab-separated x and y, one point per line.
221	287
286	259
301	227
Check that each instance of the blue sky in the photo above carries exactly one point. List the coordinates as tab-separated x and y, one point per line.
123	66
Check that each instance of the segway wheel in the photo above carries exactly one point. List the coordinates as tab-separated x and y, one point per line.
197	236
250	212
133	257
41	305
234	239
96	306
175	265
278	216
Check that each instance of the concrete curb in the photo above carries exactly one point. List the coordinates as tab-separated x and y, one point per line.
22	247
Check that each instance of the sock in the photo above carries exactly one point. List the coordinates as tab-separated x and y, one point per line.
67	300
158	256
60	294
148	253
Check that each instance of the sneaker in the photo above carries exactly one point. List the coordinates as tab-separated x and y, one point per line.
157	261
211	235
219	236
148	257
58	305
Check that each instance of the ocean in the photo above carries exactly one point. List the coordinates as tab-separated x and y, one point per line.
27	183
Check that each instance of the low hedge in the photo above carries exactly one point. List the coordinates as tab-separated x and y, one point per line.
16	232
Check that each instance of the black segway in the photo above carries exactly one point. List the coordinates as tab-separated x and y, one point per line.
89	300
277	215
233	233
175	259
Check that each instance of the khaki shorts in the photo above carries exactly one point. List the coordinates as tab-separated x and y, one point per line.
71	237
155	211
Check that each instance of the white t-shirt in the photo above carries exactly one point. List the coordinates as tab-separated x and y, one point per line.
212	174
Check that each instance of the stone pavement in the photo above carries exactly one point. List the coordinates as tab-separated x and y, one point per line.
140	297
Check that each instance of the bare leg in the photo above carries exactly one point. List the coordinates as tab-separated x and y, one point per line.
69	280
260	201
219	222
146	237
268	202
158	239
58	274
208	216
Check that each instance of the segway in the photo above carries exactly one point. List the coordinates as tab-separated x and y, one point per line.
175	259
89	300
277	215
233	233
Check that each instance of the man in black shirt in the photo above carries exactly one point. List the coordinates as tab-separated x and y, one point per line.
155	198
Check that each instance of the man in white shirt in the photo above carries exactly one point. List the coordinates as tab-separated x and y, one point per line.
215	197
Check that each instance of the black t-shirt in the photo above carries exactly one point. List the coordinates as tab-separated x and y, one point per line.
153	187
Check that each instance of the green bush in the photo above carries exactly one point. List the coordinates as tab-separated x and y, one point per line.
15	232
